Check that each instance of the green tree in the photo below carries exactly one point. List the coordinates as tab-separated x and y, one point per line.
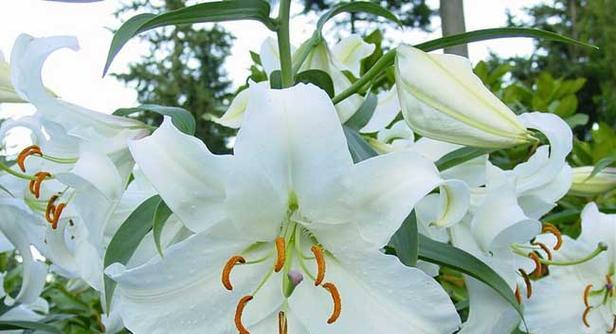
184	67
586	20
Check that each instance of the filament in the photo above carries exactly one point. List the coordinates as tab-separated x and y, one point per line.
238	314
226	271
318	256
337	302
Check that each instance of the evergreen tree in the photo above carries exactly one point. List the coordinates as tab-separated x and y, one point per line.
184	67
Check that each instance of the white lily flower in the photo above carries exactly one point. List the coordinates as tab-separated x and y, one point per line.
234	115
601	183
387	108
350	51
505	207
7	92
290	190
441	98
579	298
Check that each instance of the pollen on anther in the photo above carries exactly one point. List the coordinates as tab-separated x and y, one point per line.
585	316
529	286
50	209
56	215
35	185
538	267
280	250
320	259
549	228
282	323
337	302
587	290
545	248
518	296
26	152
226	271
238	314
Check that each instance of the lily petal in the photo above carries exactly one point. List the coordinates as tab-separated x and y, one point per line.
387	108
7	92
378	295
184	172
349	52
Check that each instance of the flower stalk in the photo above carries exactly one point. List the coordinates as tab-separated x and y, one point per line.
284	44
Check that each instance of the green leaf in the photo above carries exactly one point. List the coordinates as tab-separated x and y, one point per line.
256	58
460	156
28	325
577	120
318	78
494	33
160	218
364	113
181	118
455	258
359	148
357	7
217	11
127	238
603	164
276	80
406	241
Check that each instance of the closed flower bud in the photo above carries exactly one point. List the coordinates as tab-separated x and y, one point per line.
441	98
584	185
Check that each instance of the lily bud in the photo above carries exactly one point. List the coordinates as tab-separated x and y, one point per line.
7	92
441	98
584	185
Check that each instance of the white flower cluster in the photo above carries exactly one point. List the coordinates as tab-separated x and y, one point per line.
287	234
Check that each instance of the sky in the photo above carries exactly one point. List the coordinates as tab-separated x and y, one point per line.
77	76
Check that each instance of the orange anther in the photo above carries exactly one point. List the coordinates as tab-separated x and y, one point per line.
51	209
587	290
56	215
529	286
282	323
549	228
238	314
518	296
337	302
545	248
611	331
537	272
318	256
280	250
35	185
226	271
585	316
26	152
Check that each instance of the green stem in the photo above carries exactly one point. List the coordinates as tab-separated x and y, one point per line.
385	61
284	44
15	173
601	247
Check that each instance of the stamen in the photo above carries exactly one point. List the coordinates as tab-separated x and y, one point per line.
282	323
549	228
538	267
529	286
585	316
337	302
238	314
280	250
545	248
518	296
26	152
51	209
587	290
56	215
318	256
226	271
35	185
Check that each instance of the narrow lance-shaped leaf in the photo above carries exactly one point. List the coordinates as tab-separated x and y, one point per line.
6	325
357	7
460	156
181	118
406	241
318	78
455	258
217	11
160	219
359	148
127	238
364	113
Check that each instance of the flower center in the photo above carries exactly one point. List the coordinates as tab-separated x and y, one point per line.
286	250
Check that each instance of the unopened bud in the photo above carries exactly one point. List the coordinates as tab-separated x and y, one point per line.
601	183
